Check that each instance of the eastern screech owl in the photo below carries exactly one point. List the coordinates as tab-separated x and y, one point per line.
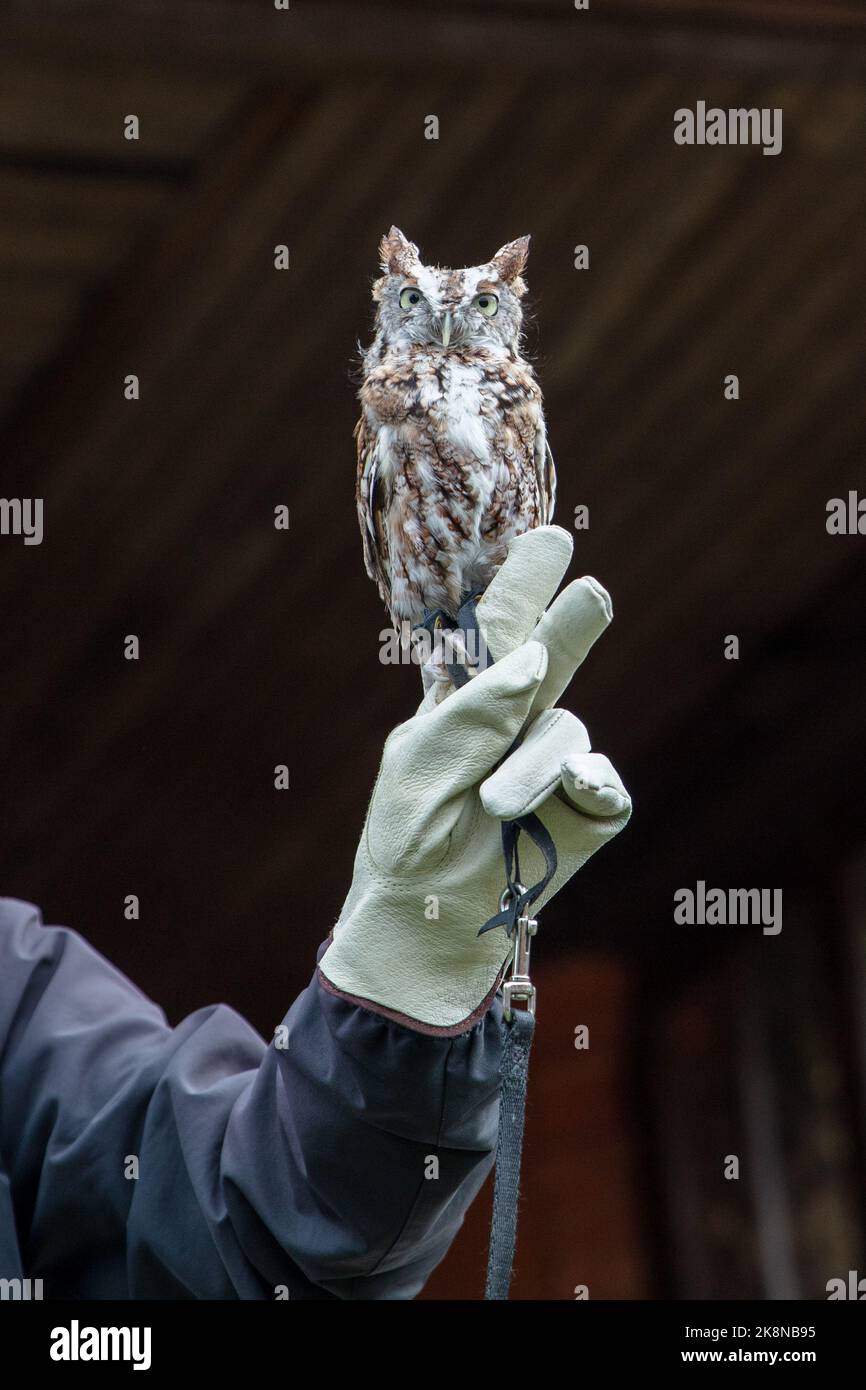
453	459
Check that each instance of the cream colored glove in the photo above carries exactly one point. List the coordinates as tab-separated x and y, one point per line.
429	869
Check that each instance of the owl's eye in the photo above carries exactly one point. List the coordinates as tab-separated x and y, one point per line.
409	297
487	304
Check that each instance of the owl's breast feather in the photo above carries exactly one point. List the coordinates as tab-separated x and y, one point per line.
460	407
462	412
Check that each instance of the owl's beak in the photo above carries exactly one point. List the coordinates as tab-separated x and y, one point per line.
447	325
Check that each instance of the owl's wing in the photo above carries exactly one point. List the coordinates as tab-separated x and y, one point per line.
370	503
551	480
546	473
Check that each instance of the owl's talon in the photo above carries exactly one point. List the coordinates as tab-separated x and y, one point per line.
434	620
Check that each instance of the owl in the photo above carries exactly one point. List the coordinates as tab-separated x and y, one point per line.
453	459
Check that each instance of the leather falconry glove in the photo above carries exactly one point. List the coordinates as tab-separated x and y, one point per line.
429	869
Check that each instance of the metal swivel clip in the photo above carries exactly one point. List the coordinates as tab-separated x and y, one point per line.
518	985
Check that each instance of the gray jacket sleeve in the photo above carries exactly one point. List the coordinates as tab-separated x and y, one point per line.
143	1161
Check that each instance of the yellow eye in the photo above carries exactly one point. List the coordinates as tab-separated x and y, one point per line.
486	304
409	297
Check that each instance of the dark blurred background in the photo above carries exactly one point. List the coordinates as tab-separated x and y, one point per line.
260	647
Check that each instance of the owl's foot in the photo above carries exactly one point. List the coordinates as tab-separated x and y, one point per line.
459	650
434	671
478	658
435	677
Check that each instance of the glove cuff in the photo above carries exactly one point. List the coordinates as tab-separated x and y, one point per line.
417	1025
431	979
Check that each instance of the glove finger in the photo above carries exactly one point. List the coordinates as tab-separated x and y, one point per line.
534	770
577	838
569	628
593	785
523	587
453	746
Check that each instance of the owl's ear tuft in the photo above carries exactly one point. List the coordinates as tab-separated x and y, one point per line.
510	260
398	255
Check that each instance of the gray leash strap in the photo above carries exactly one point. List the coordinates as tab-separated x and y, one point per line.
518	1024
509	1146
